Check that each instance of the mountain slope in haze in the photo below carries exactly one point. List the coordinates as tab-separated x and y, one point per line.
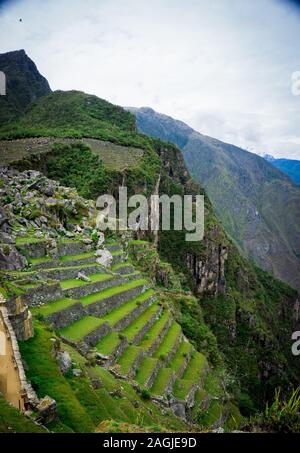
24	84
288	166
258	205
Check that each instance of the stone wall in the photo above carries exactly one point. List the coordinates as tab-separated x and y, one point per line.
90	288
104	306
140	334
64	317
42	294
126	320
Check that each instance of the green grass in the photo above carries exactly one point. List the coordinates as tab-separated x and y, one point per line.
28	240
196	367
79	329
182	388
127	359
183	350
87	300
145	369
139	242
13	421
108	344
155	330
161	381
46	378
116	315
74	282
199	398
139	322
43	259
80	256
169	340
53	307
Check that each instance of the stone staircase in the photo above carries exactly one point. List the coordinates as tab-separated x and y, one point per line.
116	314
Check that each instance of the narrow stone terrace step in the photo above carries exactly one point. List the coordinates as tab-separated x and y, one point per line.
153	337
130	360
122	316
138	328
123	268
98	282
169	344
88	329
105	301
107	345
147	371
181	358
163	383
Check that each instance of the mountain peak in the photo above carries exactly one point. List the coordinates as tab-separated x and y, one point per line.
24	84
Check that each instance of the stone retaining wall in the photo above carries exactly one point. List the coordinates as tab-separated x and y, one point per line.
33	250
91	288
72	248
42	294
184	364
149	382
101	307
125	270
157	341
140	334
126	320
64	273
66	316
174	349
95	336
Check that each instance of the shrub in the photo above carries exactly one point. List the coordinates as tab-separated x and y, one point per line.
145	394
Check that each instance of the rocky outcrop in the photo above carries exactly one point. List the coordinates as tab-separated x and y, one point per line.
209	272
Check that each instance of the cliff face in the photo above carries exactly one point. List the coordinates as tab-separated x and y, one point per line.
257	204
24	84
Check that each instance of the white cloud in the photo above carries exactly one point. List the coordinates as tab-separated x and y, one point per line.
223	66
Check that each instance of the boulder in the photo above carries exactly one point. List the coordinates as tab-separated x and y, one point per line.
105	258
47	409
83	277
64	361
10	258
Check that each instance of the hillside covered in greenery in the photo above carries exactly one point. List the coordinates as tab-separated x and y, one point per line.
201	327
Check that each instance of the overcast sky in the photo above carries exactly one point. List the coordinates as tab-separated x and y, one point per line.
222	66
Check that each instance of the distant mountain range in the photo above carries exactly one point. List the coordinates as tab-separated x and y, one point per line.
258	205
287	166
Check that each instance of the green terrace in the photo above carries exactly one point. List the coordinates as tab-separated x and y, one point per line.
53	307
182	387
119	313
108	344
94	278
145	369
131	331
196	368
128	358
96	297
169	341
182	352
36	261
79	329
161	381
155	330
79	257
